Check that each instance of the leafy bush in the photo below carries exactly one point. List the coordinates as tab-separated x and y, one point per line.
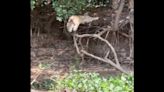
93	82
65	8
89	82
46	84
32	4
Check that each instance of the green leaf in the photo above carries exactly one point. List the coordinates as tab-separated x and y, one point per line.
59	18
111	86
118	88
123	78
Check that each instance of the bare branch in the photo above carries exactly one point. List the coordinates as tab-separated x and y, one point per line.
107	54
87	44
102	39
131	41
75	44
104	60
131	19
108	29
124	34
104	30
36	76
107	35
118	15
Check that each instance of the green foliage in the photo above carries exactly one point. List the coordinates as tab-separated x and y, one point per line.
65	8
32	4
89	82
93	82
35	3
46	84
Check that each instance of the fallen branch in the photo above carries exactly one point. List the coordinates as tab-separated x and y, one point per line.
117	65
104	60
102	39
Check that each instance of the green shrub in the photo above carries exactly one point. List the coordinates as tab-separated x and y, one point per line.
32	2
89	82
65	8
93	82
46	84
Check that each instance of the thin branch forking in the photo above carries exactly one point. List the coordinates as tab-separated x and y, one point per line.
102	39
104	60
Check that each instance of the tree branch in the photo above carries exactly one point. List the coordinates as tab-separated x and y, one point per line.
118	15
102	39
104	60
75	44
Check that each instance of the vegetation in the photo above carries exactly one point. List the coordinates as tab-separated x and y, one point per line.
76	80
90	82
65	8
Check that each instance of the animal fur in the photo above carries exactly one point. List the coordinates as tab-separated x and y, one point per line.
75	20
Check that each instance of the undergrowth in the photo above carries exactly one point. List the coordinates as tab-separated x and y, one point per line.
89	82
